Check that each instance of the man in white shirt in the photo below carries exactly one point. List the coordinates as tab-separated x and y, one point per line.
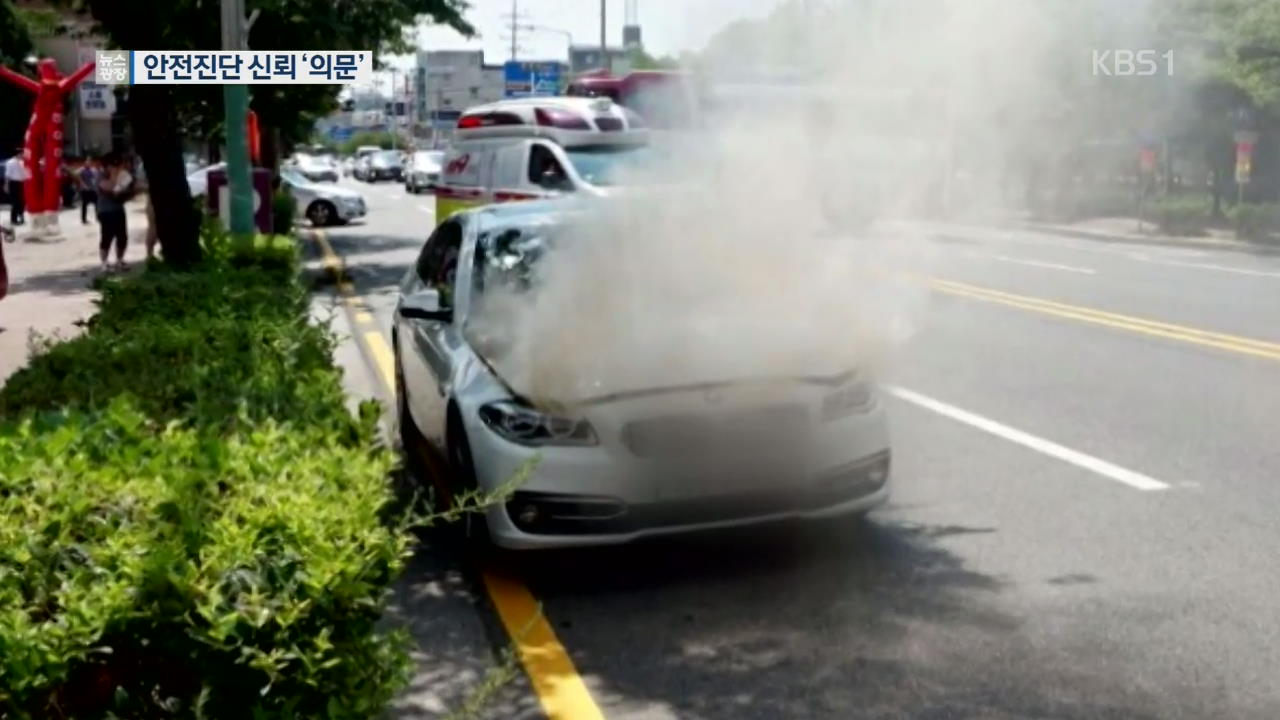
16	175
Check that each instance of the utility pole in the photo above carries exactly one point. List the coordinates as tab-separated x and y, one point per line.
393	121
605	61
235	101
515	29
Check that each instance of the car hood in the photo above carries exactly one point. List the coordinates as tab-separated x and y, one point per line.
329	191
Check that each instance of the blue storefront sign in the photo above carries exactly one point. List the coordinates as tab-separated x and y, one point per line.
531	79
338	133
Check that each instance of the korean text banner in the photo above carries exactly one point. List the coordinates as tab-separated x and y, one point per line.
233	67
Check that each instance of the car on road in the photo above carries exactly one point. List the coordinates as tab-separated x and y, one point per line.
422	171
631	462
384	165
315	168
323	204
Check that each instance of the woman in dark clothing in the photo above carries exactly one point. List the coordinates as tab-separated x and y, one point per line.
113	192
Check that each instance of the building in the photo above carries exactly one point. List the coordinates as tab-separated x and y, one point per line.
584	58
449	81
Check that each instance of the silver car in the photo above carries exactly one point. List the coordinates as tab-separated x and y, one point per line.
422	171
622	465
323	204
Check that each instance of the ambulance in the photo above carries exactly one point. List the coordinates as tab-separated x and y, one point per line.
539	148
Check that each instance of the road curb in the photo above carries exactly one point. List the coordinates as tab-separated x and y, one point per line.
1157	241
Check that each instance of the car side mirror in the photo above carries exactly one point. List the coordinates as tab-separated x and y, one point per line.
425	305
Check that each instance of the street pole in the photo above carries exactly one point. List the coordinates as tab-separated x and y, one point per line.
391	116
235	100
606	61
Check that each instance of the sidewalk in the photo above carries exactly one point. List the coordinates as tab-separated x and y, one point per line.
49	282
1119	229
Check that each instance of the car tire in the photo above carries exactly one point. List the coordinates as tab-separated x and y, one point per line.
472	527
322	213
413	446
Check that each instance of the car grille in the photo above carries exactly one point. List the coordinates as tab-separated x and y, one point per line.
704	435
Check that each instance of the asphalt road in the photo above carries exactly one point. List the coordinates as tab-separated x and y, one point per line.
1083	523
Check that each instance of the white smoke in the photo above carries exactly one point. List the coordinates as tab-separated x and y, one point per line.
769	253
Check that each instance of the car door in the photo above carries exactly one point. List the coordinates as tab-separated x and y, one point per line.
428	347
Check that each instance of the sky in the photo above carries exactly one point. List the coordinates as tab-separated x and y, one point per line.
669	26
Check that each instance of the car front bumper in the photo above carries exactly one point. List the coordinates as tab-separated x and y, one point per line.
583	496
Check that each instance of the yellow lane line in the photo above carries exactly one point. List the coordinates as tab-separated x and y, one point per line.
560	689
1196	336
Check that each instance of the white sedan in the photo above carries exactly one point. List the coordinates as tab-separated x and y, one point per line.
625	463
323	203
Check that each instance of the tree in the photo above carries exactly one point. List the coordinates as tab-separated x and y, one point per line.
15	104
159	113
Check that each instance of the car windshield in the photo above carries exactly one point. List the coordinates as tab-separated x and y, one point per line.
389	157
292	177
611	165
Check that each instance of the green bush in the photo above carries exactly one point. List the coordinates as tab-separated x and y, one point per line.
1180	214
191	522
283	208
1257	221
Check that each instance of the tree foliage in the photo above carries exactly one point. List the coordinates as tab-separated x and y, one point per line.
15	104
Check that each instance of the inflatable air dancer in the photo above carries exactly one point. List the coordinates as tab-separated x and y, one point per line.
42	147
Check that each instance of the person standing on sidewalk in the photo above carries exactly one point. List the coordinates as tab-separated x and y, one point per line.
113	192
88	179
16	174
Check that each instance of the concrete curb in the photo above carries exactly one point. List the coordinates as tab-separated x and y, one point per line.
1154	240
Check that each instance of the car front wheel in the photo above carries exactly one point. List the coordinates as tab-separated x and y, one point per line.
464	490
322	213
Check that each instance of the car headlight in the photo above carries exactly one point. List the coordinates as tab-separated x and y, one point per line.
526	426
855	397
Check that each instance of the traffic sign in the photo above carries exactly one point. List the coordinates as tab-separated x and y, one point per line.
530	79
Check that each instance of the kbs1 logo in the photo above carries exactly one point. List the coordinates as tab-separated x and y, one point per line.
1132	63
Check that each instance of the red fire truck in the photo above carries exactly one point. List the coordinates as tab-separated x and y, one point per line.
665	99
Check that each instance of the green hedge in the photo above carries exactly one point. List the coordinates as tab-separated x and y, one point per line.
1180	214
192	524
1257	221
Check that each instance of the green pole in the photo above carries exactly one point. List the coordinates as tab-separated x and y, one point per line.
235	102
235	99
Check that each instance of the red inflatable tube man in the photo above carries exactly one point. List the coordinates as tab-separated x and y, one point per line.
43	141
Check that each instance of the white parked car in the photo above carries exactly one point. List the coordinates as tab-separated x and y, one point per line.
198	180
625	464
315	168
422	171
323	204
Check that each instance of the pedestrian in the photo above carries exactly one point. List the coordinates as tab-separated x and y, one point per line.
88	181
17	175
114	189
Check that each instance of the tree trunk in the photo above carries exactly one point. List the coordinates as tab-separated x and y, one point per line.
152	117
270	149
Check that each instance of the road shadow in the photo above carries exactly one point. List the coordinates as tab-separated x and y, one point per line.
68	281
866	619
461	657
